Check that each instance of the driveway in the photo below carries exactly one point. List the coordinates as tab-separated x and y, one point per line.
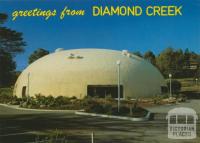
23	126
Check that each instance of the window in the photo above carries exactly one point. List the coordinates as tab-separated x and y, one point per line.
104	90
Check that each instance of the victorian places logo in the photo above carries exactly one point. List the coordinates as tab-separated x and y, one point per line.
182	123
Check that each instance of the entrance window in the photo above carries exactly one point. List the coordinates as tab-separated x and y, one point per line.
104	90
24	91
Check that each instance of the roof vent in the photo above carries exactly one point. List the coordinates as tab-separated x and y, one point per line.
71	56
59	50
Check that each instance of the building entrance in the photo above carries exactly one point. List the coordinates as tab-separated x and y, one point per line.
104	90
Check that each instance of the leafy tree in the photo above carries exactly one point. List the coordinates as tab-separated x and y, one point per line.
187	57
171	61
37	54
11	43
178	63
197	74
3	18
137	53
149	56
7	67
196	58
191	58
164	61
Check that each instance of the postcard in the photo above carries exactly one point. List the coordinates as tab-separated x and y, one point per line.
99	71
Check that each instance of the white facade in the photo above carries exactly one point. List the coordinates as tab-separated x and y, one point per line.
70	72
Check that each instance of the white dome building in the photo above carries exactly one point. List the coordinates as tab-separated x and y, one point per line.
89	72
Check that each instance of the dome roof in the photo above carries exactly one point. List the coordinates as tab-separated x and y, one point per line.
69	73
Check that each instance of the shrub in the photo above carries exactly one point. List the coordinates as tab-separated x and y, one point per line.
97	105
50	102
89	104
61	100
138	112
104	106
6	96
123	110
6	91
40	99
157	99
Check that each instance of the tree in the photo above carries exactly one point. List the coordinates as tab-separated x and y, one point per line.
164	61
137	53
197	74
187	57
7	68
195	59
3	18
11	43
37	54
178	63
149	56
171	61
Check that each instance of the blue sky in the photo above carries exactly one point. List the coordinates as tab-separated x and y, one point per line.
132	33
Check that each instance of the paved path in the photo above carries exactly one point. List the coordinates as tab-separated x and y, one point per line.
194	104
22	126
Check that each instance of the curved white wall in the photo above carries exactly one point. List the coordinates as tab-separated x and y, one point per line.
58	74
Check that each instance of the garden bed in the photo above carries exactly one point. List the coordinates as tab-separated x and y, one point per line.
108	105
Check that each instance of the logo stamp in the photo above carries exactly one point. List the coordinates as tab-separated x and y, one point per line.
182	123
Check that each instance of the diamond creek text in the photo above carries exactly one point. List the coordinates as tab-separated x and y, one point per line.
102	11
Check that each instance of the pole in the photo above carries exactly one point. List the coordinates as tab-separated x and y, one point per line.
92	137
28	84
196	81
170	87
118	88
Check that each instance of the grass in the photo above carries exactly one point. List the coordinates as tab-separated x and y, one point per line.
53	137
